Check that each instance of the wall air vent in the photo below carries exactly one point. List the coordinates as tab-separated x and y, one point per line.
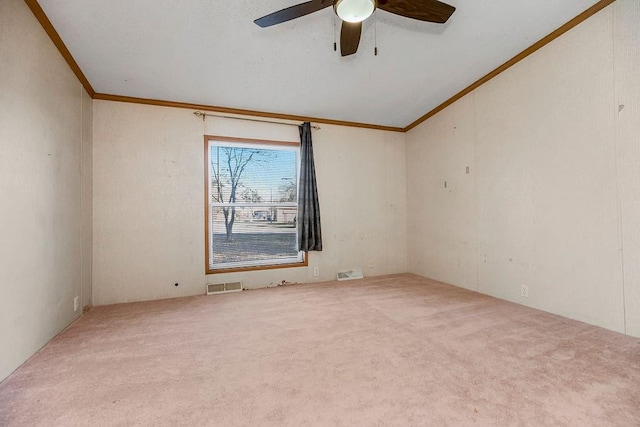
223	288
350	274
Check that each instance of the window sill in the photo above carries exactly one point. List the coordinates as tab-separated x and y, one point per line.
304	263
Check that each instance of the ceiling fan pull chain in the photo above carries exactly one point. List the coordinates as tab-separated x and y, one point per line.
375	36
335	45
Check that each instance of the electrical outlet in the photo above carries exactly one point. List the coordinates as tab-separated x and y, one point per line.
524	291
370	262
75	304
316	271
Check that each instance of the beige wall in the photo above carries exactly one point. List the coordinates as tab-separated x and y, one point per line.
86	207
149	201
44	128
553	193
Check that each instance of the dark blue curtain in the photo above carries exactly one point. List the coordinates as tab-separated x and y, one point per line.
309	232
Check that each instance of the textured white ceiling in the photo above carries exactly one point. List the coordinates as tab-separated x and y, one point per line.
210	52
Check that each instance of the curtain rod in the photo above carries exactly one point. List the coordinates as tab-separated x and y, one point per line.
203	115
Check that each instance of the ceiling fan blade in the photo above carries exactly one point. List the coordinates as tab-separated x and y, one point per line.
422	10
292	12
350	37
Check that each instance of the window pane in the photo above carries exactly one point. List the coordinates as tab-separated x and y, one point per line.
252	205
259	236
241	174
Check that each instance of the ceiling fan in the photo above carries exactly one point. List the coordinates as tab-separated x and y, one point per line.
353	12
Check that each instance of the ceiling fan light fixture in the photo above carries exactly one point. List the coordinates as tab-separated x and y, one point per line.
354	10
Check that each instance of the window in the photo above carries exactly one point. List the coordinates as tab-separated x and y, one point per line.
251	204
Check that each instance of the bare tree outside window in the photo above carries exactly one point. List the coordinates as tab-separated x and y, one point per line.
288	190
227	169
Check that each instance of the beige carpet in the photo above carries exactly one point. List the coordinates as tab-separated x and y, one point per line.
397	350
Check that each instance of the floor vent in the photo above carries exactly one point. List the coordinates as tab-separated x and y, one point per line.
223	288
350	274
